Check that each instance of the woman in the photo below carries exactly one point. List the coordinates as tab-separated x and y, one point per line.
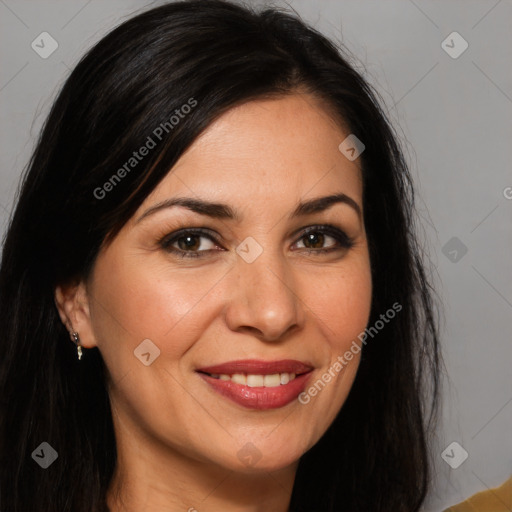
212	297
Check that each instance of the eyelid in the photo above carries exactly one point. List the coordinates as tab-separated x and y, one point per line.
324	228
169	238
337	233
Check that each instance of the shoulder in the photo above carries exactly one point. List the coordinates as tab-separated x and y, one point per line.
498	499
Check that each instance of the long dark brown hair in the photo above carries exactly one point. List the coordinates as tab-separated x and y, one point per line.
374	456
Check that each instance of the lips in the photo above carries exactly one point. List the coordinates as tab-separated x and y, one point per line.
255	384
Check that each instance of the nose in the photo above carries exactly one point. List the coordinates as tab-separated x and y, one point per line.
264	302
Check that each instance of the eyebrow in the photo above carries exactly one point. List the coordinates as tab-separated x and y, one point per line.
224	211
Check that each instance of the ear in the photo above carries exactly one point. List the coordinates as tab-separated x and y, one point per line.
72	302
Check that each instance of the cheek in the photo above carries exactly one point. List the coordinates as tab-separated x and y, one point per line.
342	304
134	301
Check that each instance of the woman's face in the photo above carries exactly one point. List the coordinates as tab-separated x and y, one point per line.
252	271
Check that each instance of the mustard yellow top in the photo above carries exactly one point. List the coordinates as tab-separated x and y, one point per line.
498	499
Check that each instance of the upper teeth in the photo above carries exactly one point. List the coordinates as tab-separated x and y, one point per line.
253	381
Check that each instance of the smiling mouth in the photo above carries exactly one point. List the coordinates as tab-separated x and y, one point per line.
258	384
253	381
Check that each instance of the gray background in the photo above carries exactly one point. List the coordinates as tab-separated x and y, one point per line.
454	117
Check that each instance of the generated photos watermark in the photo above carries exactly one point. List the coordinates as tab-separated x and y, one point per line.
343	360
151	143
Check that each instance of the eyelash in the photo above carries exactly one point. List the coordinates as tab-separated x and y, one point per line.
344	241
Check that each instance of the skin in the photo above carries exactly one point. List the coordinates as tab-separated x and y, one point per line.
178	440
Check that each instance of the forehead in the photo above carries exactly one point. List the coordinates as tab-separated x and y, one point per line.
266	150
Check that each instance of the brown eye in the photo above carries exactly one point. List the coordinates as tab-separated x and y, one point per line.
321	239
187	243
314	240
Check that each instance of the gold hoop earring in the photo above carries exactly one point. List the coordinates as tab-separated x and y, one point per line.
76	341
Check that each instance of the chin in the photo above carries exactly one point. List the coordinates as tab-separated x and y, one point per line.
265	464
265	456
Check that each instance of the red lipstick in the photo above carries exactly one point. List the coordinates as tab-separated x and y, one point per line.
259	397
